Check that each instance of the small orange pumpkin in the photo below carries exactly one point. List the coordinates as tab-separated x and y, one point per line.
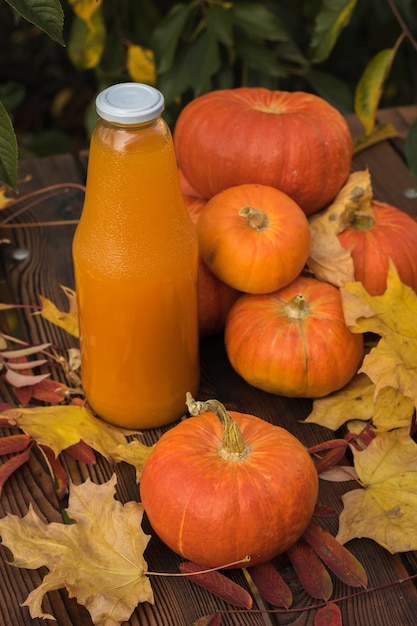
214	297
220	487
293	342
254	238
384	232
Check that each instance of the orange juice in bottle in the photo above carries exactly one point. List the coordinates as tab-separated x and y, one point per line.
135	257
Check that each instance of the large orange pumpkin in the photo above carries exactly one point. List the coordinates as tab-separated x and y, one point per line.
293	342
219	490
214	297
255	238
385	232
294	141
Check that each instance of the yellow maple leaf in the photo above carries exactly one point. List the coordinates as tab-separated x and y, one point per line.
385	510
357	401
66	320
61	426
98	559
393	362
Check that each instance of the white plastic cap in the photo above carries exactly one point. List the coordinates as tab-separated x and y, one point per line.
130	103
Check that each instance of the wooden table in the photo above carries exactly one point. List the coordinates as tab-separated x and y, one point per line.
37	261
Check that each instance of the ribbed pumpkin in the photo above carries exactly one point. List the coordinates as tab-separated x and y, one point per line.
215	298
293	342
294	141
220	487
255	238
384	232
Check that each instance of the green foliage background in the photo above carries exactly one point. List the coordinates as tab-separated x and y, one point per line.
357	54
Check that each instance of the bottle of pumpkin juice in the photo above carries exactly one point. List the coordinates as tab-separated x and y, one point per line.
135	257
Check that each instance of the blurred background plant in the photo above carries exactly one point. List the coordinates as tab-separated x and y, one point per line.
55	55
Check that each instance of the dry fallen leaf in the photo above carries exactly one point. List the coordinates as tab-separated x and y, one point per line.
328	260
98	559
393	362
385	509
358	401
61	426
66	320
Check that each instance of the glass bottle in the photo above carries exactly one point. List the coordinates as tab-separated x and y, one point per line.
135	257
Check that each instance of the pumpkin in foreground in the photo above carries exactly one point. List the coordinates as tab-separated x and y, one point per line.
294	141
293	342
253	237
220	487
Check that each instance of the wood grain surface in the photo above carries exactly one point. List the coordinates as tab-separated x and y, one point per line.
36	260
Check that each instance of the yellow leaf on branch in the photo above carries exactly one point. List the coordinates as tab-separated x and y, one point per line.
141	64
385	509
61	426
98	559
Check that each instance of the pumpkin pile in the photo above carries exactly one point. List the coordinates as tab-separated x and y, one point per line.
255	165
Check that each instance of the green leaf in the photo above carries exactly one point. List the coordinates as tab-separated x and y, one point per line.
333	16
258	21
219	23
45	14
203	61
8	150
259	57
369	89
167	34
410	150
332	89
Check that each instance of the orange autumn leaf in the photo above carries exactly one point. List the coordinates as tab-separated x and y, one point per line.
108	575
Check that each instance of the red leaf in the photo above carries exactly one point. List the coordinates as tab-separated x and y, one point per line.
219	584
323	510
271	585
310	570
59	473
14	443
329	615
330	444
23	394
50	391
209	620
82	452
10	466
330	459
336	557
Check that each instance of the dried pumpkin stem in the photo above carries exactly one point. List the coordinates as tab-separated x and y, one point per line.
297	308
362	220
256	219
233	446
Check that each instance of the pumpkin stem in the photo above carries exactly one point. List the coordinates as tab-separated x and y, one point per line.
233	447
297	308
256	219
362	220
